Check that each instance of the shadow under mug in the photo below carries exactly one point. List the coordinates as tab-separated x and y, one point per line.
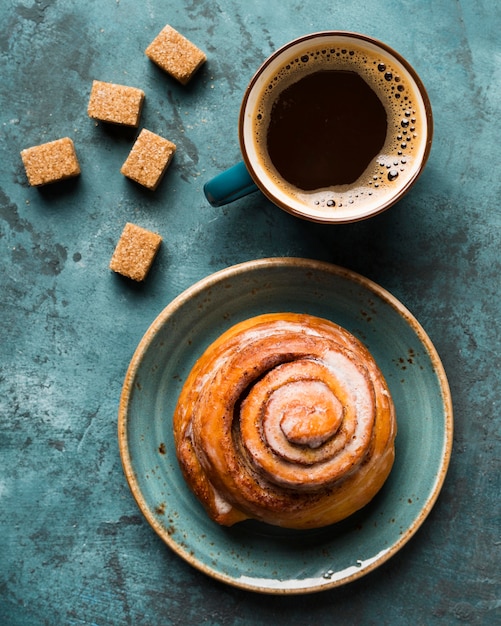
390	172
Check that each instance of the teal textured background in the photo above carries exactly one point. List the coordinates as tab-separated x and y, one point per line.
74	548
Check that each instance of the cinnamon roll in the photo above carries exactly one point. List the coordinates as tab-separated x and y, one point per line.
286	418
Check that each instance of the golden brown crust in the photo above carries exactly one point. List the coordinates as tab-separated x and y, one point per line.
287	419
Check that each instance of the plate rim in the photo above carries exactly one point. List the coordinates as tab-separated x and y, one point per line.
244	268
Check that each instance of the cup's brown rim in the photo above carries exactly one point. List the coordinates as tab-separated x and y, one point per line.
332	218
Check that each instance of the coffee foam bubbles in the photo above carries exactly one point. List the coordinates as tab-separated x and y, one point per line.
396	164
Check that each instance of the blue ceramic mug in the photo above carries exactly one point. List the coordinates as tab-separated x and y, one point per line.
334	127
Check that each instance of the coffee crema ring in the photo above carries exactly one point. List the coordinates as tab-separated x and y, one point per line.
287	419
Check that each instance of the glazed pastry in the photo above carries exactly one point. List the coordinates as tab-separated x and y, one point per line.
287	419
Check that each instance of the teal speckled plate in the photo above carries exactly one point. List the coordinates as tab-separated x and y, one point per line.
255	556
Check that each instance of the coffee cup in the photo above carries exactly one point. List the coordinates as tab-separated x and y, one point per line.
334	127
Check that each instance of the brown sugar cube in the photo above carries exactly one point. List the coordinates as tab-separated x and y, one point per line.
50	162
116	104
175	54
135	251
149	159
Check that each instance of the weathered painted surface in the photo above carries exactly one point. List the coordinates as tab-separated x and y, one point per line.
74	548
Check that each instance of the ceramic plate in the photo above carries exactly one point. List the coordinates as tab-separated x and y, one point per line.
252	555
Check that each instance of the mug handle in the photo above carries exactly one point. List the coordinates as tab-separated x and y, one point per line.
230	185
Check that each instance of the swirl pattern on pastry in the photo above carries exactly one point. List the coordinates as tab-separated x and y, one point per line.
285	418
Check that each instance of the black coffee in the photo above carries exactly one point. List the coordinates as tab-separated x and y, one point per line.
325	129
338	127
